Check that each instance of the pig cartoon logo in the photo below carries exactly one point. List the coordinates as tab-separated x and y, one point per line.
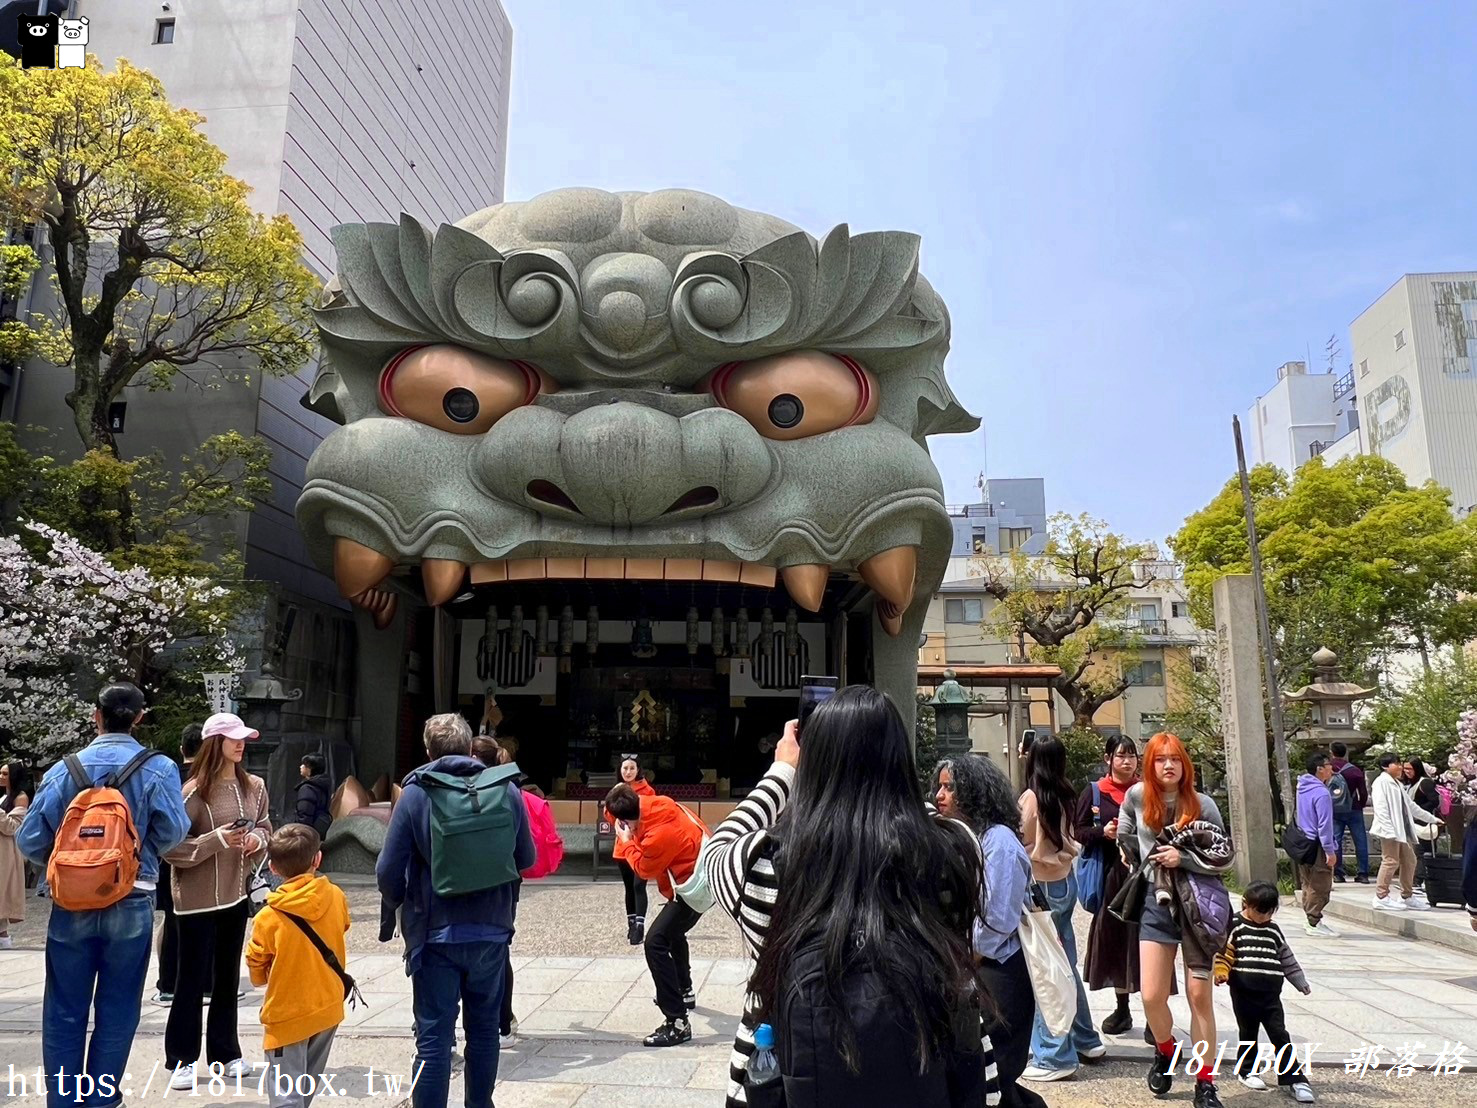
71	51
38	38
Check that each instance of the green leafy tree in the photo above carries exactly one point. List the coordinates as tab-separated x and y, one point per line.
1354	559
925	741
1069	605
160	267
1421	719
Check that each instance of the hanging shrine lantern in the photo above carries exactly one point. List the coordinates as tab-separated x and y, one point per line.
741	634
592	629
692	631
720	633
792	633
766	632
541	630
515	630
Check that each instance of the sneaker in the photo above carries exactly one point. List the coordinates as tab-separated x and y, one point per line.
1338	877
674	1032
1416	904
1362	879
1302	1092
1119	1023
183	1077
1206	1095
1388	904
1092	1053
1322	928
689	1000
238	1068
1036	1073
163	999
1160	1078
635	930
1252	1082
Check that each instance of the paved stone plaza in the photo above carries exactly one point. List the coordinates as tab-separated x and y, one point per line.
581	1017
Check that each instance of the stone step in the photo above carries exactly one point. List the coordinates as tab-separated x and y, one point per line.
1448	927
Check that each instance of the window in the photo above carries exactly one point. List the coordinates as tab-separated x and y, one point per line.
163	32
1179	609
1145	673
1399	340
1198	663
1364	368
1013	538
1146	610
964	611
1149	726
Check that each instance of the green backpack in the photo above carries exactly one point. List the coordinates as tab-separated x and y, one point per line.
474	827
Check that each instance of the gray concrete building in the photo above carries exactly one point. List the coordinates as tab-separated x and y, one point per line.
332	111
1010	515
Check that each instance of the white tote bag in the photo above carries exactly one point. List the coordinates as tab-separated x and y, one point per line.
1052	978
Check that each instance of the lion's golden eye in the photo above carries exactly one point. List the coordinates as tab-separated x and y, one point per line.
457	390
795	396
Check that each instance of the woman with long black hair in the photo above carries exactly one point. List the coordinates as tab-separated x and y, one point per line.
857	901
975	791
1112	959
1421	788
1047	807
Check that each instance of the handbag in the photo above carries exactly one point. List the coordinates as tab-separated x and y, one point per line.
351	989
1128	905
1052	977
696	892
1091	866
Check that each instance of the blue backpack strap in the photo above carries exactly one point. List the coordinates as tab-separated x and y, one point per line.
1097	804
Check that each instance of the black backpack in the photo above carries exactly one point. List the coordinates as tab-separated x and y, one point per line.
1299	846
807	1038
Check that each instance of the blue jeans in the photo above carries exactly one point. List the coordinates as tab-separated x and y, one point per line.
101	957
1354	822
450	974
1059	1052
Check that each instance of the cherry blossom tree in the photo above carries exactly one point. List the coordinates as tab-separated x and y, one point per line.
1462	776
71	620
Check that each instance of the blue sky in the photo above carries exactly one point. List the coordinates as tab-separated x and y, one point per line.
1135	211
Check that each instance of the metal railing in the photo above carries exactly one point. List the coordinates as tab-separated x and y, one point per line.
1150	627
1316	448
1344	384
1161	569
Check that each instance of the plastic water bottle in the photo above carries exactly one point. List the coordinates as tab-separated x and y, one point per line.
764	1082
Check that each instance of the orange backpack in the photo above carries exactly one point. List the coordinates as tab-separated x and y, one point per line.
94	861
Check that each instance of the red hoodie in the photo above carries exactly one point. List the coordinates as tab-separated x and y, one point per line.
641	787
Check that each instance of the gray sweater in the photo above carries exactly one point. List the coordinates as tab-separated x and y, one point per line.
1137	838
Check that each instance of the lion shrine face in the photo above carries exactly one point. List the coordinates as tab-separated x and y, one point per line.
630	385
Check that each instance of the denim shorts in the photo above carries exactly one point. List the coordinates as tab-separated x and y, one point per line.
1157	925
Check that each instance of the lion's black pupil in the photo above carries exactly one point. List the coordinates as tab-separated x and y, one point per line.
786	411
461	405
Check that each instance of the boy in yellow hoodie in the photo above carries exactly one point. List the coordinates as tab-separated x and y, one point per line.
304	1003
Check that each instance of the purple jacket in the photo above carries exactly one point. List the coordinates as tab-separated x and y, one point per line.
1315	812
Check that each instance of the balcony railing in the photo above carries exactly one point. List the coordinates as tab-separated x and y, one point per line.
1316	448
1150	628
1344	384
1160	569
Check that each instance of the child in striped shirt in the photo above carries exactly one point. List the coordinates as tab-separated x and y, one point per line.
1254	963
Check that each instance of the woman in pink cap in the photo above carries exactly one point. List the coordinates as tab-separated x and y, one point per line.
229	829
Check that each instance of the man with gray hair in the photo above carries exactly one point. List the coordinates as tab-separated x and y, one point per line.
456	946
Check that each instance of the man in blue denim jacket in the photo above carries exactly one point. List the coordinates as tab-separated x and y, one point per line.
102	954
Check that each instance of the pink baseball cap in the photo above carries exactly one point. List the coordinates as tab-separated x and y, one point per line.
227	726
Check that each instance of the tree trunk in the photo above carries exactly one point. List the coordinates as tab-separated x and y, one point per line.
90	404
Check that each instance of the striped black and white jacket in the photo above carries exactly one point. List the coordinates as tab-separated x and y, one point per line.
743	880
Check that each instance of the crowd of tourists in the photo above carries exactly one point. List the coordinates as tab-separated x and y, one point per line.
908	944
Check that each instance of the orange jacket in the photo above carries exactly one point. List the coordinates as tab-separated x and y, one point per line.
642	787
667	841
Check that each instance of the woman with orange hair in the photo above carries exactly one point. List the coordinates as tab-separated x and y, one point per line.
1166	799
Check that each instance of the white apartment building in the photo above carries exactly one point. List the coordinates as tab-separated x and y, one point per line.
1302	416
1415	366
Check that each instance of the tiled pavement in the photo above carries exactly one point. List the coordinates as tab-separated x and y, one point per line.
581	1019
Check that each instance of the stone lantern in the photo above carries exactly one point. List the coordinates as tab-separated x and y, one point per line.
261	708
1331	700
950	705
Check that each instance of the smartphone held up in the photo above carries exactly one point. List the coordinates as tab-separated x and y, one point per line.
814	691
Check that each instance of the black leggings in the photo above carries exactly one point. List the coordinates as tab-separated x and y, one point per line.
209	960
1256	1010
635	889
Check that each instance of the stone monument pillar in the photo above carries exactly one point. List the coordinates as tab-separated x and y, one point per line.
1244	725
